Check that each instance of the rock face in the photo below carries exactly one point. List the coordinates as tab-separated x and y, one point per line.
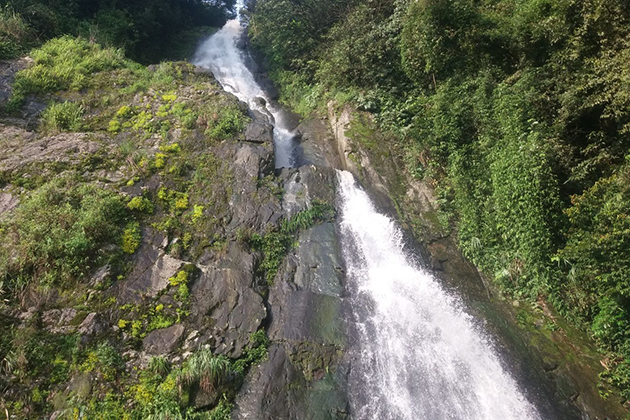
257	132
92	325
225	303
7	203
304	377
23	148
153	267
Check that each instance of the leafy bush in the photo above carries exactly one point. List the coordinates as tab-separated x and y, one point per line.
64	116
15	34
58	233
141	204
230	121
63	63
131	238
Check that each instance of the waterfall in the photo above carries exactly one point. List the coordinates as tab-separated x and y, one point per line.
220	54
418	354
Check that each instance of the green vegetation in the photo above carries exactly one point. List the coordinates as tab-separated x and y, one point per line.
63	63
15	33
65	116
227	123
56	235
143	161
133	26
517	110
275	243
131	238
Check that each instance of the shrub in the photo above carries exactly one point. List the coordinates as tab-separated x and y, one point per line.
64	116
15	34
180	278
141	204
229	122
205	370
131	238
63	63
58	233
159	365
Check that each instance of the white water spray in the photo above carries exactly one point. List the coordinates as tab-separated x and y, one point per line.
419	356
220	54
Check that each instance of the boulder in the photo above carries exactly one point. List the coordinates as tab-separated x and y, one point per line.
59	321
65	147
152	269
257	132
163	341
93	324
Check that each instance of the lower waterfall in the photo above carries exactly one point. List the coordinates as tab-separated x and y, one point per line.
419	354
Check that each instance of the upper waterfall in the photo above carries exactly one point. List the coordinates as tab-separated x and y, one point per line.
221	54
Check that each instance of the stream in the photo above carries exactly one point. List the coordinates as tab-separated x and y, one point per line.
419	355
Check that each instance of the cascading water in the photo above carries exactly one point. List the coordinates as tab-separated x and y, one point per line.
419	355
220	54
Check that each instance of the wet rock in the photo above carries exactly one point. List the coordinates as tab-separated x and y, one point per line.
279	389
262	116
303	377
260	102
259	133
318	144
225	305
305	184
319	268
163	341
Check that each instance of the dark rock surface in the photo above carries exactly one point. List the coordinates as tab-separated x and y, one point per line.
152	269
225	303
304	377
163	341
257	132
93	324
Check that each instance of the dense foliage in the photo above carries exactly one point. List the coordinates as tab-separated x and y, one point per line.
518	110
148	30
58	234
